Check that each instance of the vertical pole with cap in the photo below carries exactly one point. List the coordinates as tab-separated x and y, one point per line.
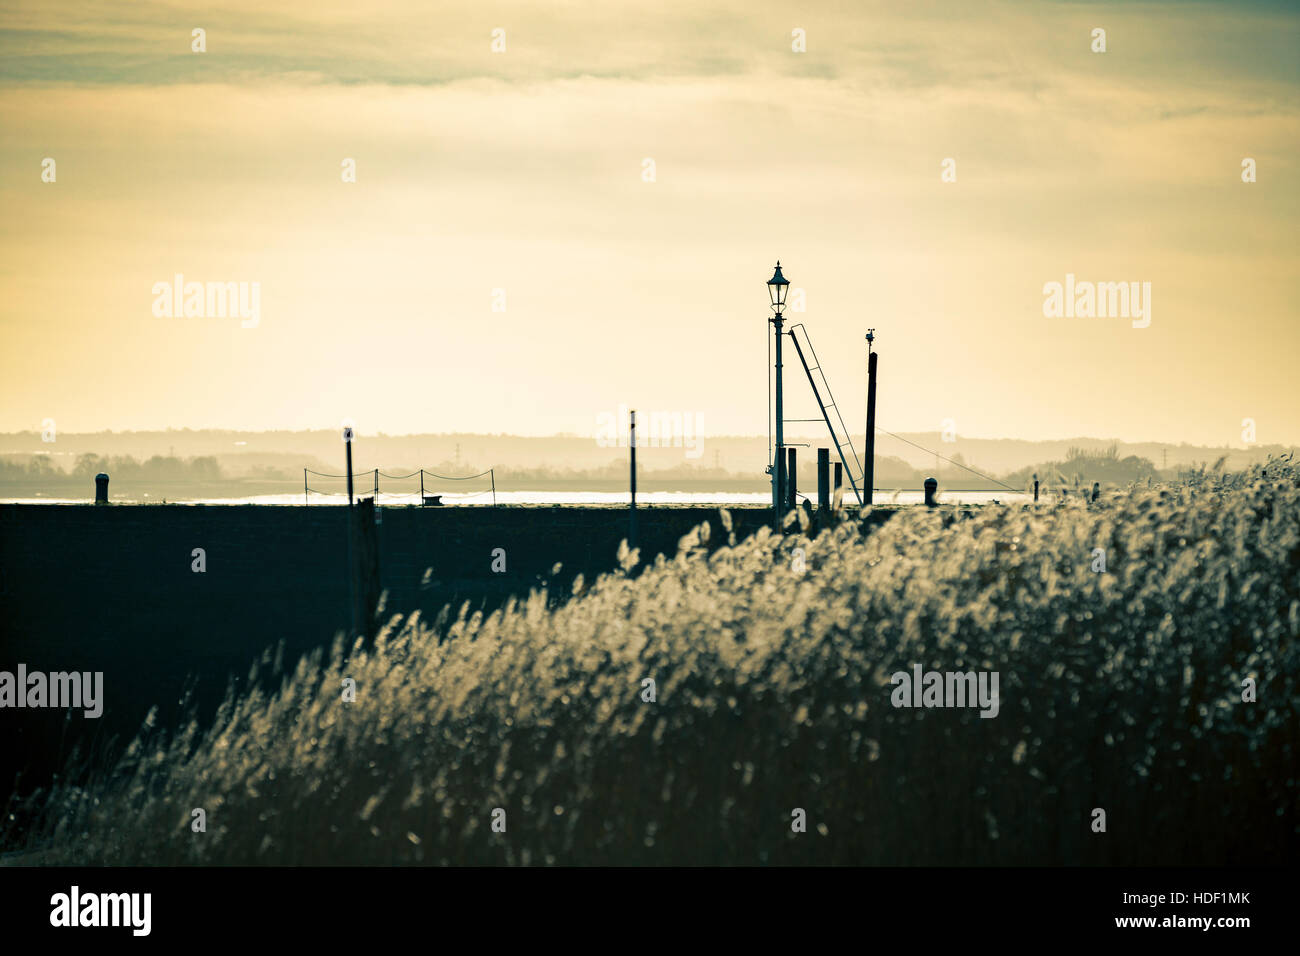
631	527
347	440
352	568
869	480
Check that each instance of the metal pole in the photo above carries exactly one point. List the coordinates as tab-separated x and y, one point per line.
304	487
348	442
631	534
778	466
422	490
352	568
870	478
376	486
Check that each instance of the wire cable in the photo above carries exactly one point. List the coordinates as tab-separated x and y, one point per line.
950	461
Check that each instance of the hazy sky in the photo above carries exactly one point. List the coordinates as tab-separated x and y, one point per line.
523	171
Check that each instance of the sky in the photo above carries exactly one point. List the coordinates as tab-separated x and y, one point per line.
584	218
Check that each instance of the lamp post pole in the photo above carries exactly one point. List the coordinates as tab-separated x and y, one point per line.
778	466
777	287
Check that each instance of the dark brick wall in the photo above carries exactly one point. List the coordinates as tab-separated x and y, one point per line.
111	589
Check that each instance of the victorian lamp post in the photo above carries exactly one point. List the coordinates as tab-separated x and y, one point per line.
777	287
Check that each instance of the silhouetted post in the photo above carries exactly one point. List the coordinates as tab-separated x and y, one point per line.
101	489
347	440
1096	490
351	546
869	479
1035	489
376	486
838	484
304	487
631	521
823	480
365	569
931	486
778	286
779	487
792	472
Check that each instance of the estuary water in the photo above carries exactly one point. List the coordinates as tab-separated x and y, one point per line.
480	499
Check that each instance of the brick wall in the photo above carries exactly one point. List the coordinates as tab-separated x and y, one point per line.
111	589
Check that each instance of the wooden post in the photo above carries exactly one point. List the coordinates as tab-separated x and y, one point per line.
1096	490
304	487
869	479
365	568
791	476
1035	489
780	484
351	545
837	492
631	522
376	486
347	440
823	480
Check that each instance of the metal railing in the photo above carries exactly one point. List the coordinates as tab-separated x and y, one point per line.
400	497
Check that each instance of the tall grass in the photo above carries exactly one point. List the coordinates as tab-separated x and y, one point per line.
1119	690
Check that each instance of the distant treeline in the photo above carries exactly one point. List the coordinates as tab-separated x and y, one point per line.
1079	466
157	468
1084	466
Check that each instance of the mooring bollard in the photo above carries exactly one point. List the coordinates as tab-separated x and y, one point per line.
1096	490
823	479
101	489
931	486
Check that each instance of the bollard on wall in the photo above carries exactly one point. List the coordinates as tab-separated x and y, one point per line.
1096	490
101	489
931	486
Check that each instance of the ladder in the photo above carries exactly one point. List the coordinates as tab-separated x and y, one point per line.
840	438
